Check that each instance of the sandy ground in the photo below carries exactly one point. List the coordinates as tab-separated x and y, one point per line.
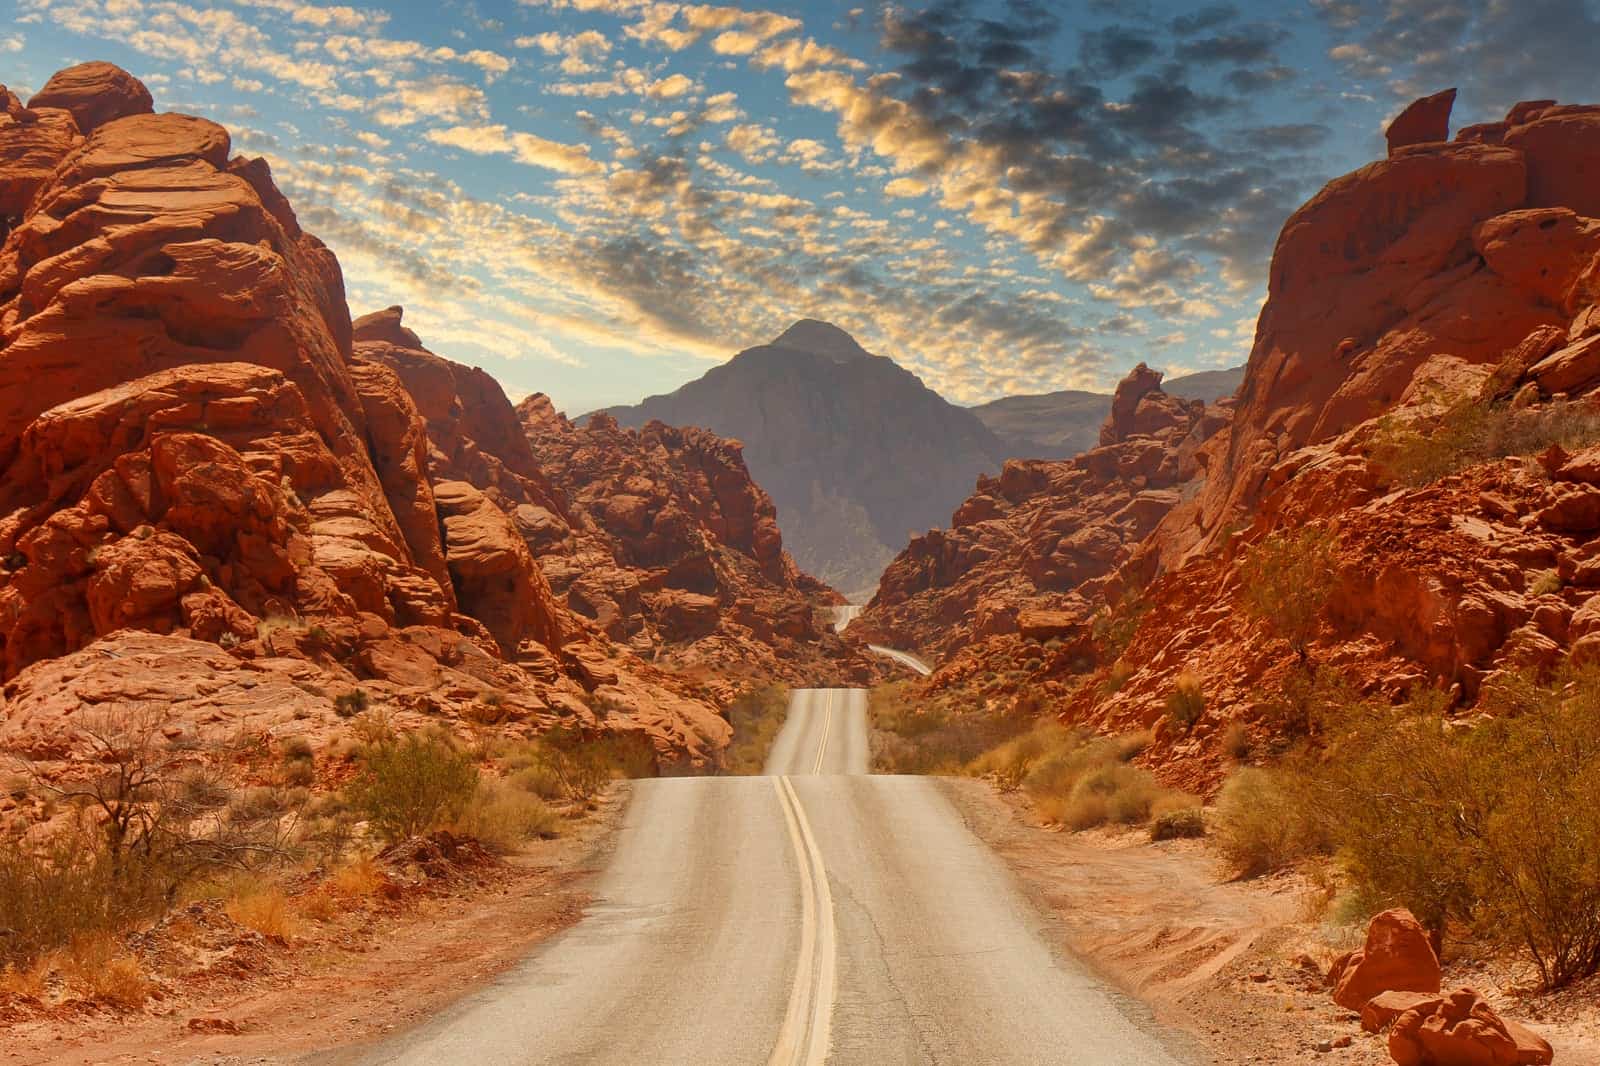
350	981
1239	965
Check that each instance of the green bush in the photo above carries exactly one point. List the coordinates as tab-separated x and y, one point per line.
413	784
1285	582
1182	823
1186	702
1468	432
757	717
1263	824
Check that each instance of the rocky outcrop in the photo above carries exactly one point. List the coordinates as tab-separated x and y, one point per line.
1424	121
1451	273
671	546
205	480
1044	537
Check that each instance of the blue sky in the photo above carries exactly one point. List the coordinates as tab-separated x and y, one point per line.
600	199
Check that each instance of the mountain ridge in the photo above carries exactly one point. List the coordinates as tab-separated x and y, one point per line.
808	407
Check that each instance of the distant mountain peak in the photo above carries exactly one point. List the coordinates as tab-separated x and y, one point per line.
821	338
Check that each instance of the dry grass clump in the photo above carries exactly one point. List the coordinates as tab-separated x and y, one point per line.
1263	825
1178	824
1186	702
915	733
262	906
97	968
757	717
1079	780
503	817
1470	432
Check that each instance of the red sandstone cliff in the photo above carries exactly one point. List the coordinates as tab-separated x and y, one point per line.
215	493
1035	547
671	547
1454	283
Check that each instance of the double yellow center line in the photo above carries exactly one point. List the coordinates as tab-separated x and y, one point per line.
807	1024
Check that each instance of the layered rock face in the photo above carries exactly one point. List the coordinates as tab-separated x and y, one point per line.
194	445
1036	545
671	547
1445	251
1451	273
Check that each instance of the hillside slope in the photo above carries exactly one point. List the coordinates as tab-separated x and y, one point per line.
1410	461
857	454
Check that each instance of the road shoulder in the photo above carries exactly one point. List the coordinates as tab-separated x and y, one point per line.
354	979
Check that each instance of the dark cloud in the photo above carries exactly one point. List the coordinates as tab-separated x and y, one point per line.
1250	81
1116	50
1207	18
1242	46
1495	52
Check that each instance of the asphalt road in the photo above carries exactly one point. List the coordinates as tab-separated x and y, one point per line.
818	914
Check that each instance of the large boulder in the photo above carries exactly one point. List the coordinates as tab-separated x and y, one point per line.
1461	1029
1397	957
95	93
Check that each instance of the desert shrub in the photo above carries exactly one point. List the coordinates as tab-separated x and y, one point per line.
503	818
1077	779
1178	824
1469	432
1263	823
1116	677
1285	582
1494	827
98	968
1186	702
537	780
914	733
586	764
261	906
1545	583
349	704
757	717
412	784
1010	762
72	887
1235	741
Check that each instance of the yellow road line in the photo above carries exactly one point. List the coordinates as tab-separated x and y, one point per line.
827	724
807	1023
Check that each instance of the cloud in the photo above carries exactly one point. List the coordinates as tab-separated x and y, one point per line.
526	148
905	187
1495	52
1117	50
579	51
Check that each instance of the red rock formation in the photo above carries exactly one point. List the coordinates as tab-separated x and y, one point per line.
1424	121
1445	273
1461	1029
1045	535
202	476
672	547
1430	254
94	94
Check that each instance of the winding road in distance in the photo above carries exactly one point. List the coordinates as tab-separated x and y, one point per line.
817	914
